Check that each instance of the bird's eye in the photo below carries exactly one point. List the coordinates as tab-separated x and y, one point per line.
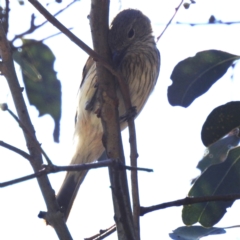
131	33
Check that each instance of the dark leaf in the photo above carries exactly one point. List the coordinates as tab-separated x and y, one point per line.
218	151
42	86
218	179
220	122
193	76
194	232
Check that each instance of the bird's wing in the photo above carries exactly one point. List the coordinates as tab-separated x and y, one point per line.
88	87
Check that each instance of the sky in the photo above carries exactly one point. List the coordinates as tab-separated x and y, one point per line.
168	137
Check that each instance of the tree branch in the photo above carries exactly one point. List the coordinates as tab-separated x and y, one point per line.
134	176
47	169
188	201
49	196
16	150
34	27
176	203
103	233
170	21
208	23
110	121
26	131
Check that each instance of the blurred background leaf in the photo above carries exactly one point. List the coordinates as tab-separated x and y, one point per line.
194	232
42	86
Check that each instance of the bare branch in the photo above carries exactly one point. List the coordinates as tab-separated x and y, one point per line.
219	22
176	203
170	21
47	169
103	233
189	200
30	43
16	150
134	176
8	71
34	27
37	144
110	120
54	35
64	30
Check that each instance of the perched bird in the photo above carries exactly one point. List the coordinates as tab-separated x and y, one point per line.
136	56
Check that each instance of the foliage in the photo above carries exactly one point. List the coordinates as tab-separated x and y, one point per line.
194	232
192	77
42	86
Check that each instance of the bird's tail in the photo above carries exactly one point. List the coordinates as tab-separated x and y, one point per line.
69	189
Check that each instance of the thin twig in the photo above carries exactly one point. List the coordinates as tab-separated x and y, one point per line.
134	176
30	43
176	10
177	203
47	169
131	168
63	9
189	200
54	35
34	27
21	179
16	150
64	30
103	233
208	23
30	135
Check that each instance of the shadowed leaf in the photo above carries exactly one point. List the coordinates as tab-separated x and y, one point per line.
194	232
218	179
193	76
220	122
218	151
42	86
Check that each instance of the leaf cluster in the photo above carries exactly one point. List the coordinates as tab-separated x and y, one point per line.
219	168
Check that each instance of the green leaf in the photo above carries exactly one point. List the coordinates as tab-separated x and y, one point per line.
42	86
194	232
218	179
194	76
218	151
220	122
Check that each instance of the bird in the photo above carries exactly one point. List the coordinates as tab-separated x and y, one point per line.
135	55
